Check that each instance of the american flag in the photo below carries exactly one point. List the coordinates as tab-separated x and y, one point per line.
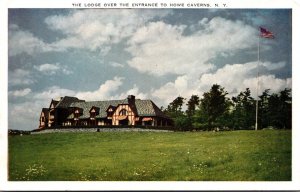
266	34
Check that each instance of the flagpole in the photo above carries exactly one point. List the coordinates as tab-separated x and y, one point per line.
257	86
265	34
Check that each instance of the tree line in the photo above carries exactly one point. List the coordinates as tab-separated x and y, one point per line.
215	110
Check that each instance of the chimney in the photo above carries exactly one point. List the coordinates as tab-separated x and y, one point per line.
131	98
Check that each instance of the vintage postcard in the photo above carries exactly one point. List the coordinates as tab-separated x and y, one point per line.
195	94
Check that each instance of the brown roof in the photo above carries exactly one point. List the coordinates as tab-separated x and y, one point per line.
66	101
140	107
45	111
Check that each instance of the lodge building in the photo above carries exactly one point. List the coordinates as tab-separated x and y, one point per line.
73	112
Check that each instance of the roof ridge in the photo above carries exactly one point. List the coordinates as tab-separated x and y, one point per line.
103	101
70	97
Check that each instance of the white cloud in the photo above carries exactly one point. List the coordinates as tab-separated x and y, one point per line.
98	29
28	112
234	78
54	92
238	77
20	93
91	29
183	86
51	69
134	91
160	48
104	92
25	116
109	90
66	71
47	68
115	64
20	41
20	77
273	66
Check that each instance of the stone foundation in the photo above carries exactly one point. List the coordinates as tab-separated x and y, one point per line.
62	130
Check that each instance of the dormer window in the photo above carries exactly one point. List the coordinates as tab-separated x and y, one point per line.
53	104
110	110
94	111
92	114
123	112
77	113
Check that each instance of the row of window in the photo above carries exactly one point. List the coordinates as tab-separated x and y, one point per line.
93	114
84	123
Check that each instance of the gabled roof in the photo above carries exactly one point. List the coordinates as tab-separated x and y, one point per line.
111	107
102	105
148	108
66	101
45	111
54	102
96	109
139	107
80	110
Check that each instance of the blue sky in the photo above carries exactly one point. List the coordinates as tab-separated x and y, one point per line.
101	54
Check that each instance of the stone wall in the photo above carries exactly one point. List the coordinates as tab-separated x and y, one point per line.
62	130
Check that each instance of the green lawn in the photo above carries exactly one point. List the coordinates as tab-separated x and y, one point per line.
146	156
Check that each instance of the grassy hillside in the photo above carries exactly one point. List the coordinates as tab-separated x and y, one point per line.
179	156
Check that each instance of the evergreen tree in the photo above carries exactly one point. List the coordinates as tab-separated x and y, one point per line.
214	105
280	109
274	111
174	109
286	108
216	110
263	110
191	105
243	114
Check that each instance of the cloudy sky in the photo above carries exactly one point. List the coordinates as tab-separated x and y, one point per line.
101	54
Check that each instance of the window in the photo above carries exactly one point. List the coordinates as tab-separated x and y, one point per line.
123	112
76	115
93	114
68	123
83	123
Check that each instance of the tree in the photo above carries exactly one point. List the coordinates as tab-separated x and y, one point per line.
214	109
191	105
286	108
174	110
176	105
243	114
280	109
263	111
199	120
183	122
274	111
213	105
